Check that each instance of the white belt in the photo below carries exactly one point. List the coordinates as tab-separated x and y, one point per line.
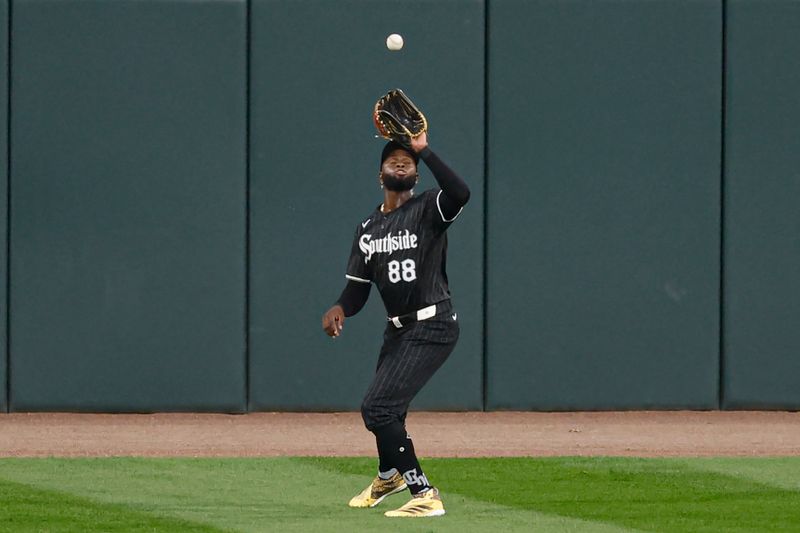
423	314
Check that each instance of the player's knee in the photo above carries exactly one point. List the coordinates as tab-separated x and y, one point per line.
375	415
366	413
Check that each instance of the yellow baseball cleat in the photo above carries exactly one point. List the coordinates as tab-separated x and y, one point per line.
378	490
422	505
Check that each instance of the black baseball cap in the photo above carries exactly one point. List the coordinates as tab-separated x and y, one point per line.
391	146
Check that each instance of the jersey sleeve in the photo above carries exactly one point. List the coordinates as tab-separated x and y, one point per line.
357	267
433	211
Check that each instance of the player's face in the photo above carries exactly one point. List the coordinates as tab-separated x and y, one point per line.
399	172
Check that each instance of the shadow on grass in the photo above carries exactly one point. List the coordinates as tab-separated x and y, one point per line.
26	508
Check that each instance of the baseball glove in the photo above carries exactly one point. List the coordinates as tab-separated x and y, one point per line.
398	119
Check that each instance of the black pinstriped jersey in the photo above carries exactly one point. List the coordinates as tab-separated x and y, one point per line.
404	253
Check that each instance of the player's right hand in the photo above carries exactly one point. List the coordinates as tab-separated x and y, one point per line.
333	321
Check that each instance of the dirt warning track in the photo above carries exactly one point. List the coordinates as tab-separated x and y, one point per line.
473	434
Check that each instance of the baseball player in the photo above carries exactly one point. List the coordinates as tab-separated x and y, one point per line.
401	247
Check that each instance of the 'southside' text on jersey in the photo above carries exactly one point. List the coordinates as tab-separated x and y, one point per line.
386	245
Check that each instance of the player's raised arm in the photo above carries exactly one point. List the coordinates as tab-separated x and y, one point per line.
455	191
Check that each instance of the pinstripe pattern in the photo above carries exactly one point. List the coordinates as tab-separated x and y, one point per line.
419	218
409	357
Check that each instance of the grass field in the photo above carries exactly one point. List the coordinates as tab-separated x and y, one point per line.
310	494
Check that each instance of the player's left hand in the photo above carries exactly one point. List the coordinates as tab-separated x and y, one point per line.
419	143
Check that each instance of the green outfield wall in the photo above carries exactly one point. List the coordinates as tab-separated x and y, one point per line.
185	178
603	204
314	179
762	215
128	205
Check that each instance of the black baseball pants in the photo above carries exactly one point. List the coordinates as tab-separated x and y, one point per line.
409	357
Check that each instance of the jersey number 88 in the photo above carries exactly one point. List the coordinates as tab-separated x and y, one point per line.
405	270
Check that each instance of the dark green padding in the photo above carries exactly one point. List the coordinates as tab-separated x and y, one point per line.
3	197
128	203
317	69
762	185
603	204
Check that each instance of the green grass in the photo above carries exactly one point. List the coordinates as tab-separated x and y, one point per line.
310	494
29	509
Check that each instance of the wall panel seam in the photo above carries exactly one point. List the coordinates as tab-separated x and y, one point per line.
247	257
7	325
723	116
485	277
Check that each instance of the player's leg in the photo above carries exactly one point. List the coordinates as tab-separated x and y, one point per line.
409	358
414	355
388	481
396	381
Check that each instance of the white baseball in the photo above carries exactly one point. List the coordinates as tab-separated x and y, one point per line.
394	42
